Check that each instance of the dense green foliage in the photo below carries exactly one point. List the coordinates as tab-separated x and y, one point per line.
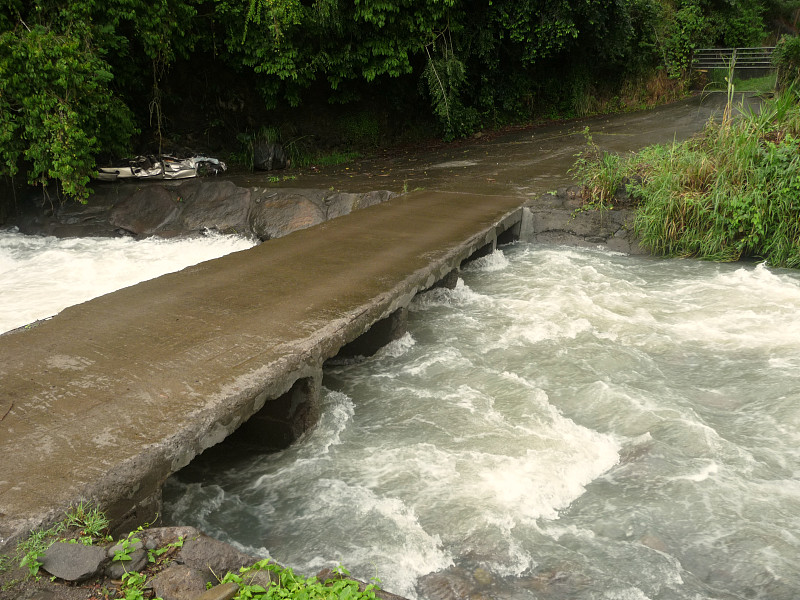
82	79
730	193
787	60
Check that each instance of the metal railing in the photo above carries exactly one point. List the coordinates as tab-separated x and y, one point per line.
738	58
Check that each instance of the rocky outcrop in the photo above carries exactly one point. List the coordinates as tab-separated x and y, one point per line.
564	217
188	207
276	213
145	212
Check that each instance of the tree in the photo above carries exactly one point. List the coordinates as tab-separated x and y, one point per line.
60	100
57	110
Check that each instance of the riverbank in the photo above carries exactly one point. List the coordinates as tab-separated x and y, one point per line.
727	194
168	563
562	216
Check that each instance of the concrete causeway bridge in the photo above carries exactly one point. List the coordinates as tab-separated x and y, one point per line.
107	399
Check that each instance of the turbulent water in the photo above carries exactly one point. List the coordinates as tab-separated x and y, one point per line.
41	276
564	424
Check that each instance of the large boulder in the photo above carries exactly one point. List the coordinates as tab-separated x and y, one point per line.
268	156
563	218
73	562
213	558
283	211
147	211
158	537
343	203
179	582
189	206
220	205
278	212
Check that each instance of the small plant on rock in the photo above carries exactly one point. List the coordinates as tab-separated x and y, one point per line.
32	549
156	555
82	523
133	585
127	545
89	521
286	584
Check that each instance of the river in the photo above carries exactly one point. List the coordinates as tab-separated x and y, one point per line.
564	424
40	276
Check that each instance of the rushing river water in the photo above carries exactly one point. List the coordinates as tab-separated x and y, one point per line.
41	276
564	424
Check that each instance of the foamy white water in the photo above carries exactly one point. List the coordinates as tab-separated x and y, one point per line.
41	276
564	424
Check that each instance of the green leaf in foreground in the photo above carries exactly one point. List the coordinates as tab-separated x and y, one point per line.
284	583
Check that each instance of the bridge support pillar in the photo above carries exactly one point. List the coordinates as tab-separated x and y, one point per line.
376	337
144	507
484	250
511	234
449	281
527	232
284	419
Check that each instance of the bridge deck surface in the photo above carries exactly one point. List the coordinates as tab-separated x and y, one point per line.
109	392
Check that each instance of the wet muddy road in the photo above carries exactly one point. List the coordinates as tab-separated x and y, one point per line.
527	162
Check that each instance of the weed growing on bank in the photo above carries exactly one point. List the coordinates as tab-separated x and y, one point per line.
601	173
730	193
82	523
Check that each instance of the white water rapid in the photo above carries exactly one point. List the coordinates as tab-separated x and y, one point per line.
41	276
564	424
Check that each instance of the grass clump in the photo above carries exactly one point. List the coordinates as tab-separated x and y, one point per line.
718	82
730	193
82	523
299	150
601	173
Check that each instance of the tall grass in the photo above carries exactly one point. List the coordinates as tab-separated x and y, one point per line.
731	192
601	173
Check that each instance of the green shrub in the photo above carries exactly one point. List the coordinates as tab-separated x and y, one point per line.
57	110
786	59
